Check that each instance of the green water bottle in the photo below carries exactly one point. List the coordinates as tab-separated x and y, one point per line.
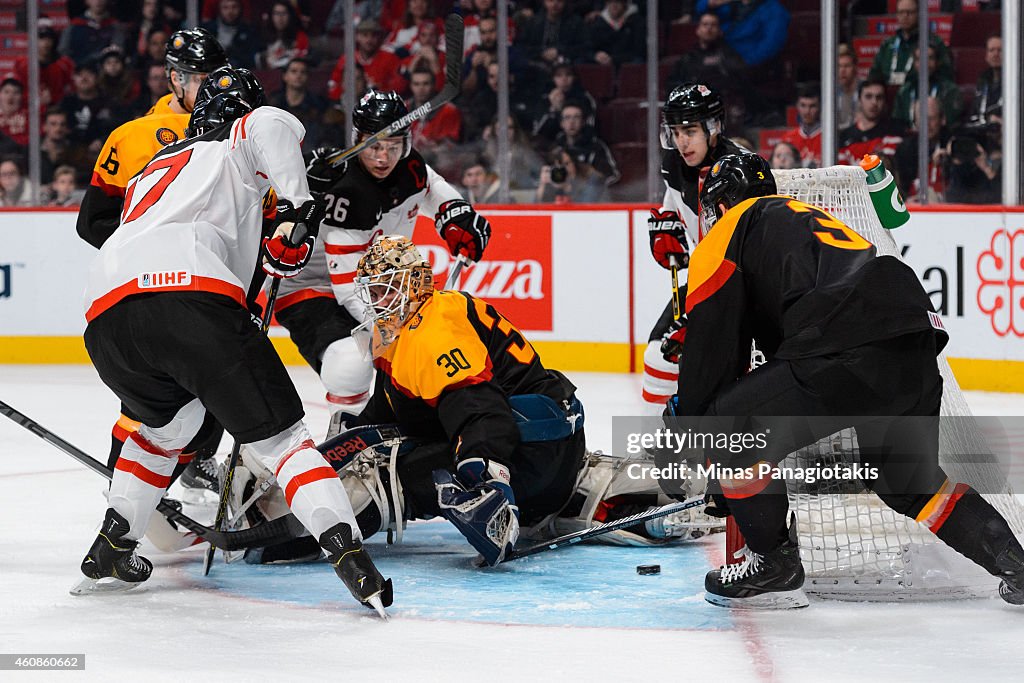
885	196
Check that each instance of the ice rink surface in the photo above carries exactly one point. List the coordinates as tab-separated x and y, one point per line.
579	614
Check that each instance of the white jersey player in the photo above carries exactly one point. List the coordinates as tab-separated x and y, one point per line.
170	334
382	191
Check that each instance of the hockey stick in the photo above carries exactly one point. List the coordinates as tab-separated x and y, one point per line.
453	276
453	37
225	487
602	529
268	533
677	308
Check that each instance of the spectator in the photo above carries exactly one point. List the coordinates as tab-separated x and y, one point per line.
56	149
382	68
785	155
151	18
238	38
308	107
405	30
872	131
565	88
91	118
711	61
90	33
756	29
15	189
473	12
553	32
284	39
567	180
156	49
426	51
906	157
587	150
973	174
941	87
55	70
988	97
156	86
806	137
481	56
118	86
481	106
363	9
64	191
846	86
174	14
617	35
525	164
895	58
480	185
13	112
434	135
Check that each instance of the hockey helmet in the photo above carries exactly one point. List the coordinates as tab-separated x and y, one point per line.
392	281
376	111
228	94
195	50
692	104
732	179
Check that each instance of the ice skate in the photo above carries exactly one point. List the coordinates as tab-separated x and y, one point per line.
771	581
201	481
354	567
112	565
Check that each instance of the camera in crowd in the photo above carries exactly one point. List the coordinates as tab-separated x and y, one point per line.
963	145
559	174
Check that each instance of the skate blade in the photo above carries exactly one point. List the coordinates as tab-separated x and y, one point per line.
794	599
375	602
89	586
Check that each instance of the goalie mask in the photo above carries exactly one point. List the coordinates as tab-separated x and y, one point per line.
692	104
732	179
392	281
376	111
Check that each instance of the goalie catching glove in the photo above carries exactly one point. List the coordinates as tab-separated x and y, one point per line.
486	514
463	229
668	238
285	254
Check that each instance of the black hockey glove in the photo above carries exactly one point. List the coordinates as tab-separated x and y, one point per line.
285	254
320	174
668	238
672	340
463	229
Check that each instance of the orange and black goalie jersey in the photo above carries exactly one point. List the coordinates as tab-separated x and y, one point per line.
798	281
447	375
126	152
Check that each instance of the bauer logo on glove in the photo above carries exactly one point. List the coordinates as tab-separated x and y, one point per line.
668	238
285	254
463	229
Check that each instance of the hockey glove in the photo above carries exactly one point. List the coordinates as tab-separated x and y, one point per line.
463	229
668	238
485	514
285	254
320	174
672	340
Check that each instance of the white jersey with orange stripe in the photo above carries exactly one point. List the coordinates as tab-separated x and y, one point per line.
359	208
192	218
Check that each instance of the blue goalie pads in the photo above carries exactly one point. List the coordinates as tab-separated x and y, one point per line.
483	515
342	449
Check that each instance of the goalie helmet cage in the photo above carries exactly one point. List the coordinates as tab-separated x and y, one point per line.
853	546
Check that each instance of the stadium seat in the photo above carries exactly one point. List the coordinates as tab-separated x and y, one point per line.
968	63
970	29
270	79
318	77
632	81
631	158
803	43
622	120
597	79
681	37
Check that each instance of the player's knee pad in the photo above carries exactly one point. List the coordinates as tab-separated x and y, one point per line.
661	378
346	375
177	433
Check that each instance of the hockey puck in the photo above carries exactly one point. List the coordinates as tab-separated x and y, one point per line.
648	569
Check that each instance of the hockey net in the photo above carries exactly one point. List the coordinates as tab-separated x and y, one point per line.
852	545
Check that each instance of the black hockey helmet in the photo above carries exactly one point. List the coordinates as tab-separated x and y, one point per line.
732	179
195	50
228	94
690	104
377	110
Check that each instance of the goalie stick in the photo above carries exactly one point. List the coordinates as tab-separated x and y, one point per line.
453	276
453	37
269	533
602	529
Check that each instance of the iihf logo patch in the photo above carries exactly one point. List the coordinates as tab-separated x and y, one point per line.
166	136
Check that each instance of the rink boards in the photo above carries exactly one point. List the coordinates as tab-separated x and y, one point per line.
579	280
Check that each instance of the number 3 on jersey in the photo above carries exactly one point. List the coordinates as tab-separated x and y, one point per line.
836	233
171	167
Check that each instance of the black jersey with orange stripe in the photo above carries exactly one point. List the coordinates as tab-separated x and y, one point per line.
798	281
448	375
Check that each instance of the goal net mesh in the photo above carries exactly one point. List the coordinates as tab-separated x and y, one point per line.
852	545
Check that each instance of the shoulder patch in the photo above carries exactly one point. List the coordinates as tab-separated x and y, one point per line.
166	136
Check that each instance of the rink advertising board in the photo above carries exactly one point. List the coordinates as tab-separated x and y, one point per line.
578	280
